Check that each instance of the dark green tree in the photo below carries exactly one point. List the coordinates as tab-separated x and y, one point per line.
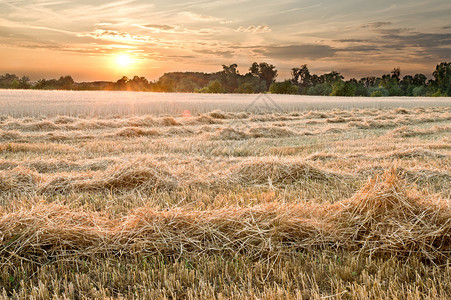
285	87
341	88
419	79
301	76
442	75
265	71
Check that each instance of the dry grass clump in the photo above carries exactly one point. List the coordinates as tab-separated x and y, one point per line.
219	114
36	148
414	153
34	126
405	131
178	131
239	115
313	122
92	124
316	115
64	120
277	171
228	133
51	165
203	120
145	121
386	116
402	111
169	121
135	132
432	180
322	156
270	118
58	136
7	164
389	218
139	175
336	120
19	179
62	165
270	132
53	229
372	124
10	135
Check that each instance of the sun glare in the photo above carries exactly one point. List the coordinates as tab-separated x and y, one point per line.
124	60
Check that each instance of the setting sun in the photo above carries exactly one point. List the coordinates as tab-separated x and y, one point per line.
124	60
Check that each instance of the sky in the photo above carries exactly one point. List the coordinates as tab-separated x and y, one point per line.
104	40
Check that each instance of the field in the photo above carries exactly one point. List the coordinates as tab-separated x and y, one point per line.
215	198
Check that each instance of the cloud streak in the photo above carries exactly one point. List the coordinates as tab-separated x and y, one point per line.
254	29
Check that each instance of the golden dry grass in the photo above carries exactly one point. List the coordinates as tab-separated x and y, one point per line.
384	218
339	204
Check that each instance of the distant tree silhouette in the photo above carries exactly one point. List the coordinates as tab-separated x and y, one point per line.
260	78
442	75
265	71
284	87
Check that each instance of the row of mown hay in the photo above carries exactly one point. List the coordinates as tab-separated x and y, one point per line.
385	218
405	131
134	175
89	124
58	165
276	171
114	175
149	175
414	153
229	133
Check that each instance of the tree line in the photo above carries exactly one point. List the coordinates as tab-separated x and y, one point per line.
260	78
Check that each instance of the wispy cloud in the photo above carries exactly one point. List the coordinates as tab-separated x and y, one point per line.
203	18
254	29
113	35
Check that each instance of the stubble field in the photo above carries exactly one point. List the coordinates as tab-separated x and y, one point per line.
229	203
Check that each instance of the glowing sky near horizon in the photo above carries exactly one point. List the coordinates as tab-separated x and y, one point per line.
49	38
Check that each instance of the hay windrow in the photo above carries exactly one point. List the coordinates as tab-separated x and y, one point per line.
122	177
108	212
64	120
169	121
336	120
386	217
277	172
322	156
10	135
135	132
228	133
406	131
203	120
19	179
34	126
270	132
415	153
372	124
437	180
91	124
316	115
145	121
218	114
